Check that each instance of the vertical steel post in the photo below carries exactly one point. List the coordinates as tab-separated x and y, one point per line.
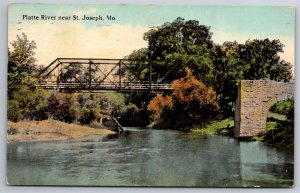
90	72
120	74
150	75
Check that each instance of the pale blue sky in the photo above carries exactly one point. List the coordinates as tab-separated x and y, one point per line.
239	19
125	34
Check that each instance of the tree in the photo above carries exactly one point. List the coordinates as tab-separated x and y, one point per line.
261	60
193	99
159	104
21	64
181	44
190	102
171	48
177	37
256	59
24	100
228	70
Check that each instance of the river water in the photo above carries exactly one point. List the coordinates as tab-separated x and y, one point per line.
145	157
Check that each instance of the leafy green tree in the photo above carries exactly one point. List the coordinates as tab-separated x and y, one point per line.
262	61
21	64
24	100
228	70
171	48
256	59
181	44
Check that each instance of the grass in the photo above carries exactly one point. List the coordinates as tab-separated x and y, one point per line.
223	127
279	131
279	134
276	116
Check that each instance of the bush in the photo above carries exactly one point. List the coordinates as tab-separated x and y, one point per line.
133	116
13	111
190	102
12	131
283	107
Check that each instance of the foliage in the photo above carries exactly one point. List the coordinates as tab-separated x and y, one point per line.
12	131
276	116
112	103
283	107
262	60
60	107
24	100
223	127
134	116
158	104
13	110
190	102
85	108
174	46
21	64
178	44
280	132
197	100
256	59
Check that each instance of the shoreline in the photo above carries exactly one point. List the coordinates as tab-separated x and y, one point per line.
49	130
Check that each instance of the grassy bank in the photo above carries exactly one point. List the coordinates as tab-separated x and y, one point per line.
223	127
279	134
49	130
279	131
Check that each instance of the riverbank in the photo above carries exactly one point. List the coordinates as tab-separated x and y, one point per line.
279	132
49	130
218	127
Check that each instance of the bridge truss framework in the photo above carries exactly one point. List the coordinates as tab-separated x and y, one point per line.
98	75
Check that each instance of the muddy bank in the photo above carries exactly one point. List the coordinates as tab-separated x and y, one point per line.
49	130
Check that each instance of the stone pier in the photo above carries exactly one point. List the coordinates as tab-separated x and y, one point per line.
255	97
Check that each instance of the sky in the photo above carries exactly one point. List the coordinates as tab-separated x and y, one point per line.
118	38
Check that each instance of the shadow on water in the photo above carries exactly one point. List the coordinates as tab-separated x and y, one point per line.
116	135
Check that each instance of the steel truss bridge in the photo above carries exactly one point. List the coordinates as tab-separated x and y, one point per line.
96	75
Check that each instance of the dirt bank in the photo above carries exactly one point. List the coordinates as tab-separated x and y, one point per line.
49	130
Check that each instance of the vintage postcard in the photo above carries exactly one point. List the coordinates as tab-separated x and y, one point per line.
150	95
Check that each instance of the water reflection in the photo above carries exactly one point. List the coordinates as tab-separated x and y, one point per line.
149	158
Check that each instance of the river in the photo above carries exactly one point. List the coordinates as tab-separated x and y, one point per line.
146	157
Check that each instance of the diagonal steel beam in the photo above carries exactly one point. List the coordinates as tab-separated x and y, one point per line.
106	76
47	68
135	74
172	68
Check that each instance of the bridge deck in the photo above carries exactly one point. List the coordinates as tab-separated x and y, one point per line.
104	87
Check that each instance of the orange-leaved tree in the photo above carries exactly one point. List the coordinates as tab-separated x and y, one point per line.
190	102
158	104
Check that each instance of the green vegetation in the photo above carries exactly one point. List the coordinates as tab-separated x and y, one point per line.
280	127
276	116
204	78
12	131
25	101
279	134
189	45
282	107
222	127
